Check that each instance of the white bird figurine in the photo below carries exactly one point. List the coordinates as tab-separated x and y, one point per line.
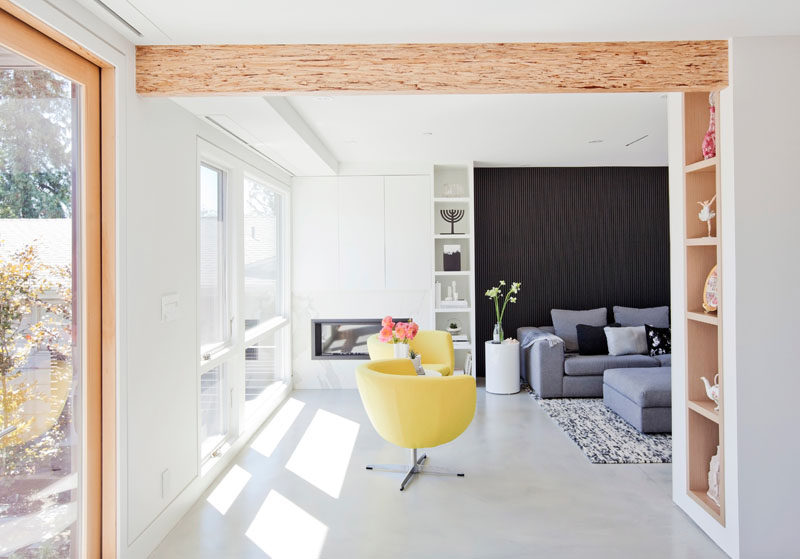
712	390
706	213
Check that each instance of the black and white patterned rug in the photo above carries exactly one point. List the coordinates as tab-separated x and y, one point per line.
603	436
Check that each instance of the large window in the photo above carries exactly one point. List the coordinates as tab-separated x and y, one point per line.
214	323
243	323
49	306
263	252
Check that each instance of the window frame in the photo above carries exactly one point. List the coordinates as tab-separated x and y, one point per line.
220	354
36	40
210	159
232	355
282	317
280	324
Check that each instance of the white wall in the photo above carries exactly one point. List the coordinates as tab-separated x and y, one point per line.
161	365
761	296
766	81
362	249
157	246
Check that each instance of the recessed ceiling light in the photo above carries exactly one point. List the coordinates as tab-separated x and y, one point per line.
637	140
324	98
427	133
351	141
598	141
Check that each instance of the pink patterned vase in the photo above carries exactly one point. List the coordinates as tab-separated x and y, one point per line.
709	146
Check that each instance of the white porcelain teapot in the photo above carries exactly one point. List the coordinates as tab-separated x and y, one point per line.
712	390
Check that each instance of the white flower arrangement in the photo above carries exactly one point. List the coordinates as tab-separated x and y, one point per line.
496	293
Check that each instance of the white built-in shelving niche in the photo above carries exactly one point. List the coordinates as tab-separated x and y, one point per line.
453	190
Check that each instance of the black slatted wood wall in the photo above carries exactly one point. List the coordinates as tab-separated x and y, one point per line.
577	238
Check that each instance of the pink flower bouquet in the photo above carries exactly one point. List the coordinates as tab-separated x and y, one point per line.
397	333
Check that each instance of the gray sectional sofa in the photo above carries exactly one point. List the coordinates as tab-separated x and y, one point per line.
555	373
637	387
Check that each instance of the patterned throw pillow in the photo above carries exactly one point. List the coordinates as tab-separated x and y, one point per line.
658	340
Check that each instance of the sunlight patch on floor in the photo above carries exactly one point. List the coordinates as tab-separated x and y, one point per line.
323	454
277	427
228	489
285	531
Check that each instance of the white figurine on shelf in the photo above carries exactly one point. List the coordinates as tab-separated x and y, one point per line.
449	293
713	478
455	291
706	213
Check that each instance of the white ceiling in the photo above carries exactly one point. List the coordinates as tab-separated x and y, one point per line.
375	21
315	135
492	130
255	122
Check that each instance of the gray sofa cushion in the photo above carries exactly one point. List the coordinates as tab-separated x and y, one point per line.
626	340
646	387
581	365
665	359
654	316
565	323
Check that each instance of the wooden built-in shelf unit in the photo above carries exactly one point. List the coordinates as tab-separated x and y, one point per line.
704	425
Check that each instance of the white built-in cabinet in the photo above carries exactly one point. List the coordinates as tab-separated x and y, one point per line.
315	233
362	233
407	228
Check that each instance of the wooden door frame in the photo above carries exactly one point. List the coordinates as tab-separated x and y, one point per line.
28	36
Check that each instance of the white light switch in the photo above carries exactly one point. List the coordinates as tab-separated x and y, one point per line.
169	307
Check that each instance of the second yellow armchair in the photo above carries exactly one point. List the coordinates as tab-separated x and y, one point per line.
435	347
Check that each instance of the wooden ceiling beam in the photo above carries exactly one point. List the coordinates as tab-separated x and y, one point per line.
186	70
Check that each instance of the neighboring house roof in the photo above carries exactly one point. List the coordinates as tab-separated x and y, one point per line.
51	237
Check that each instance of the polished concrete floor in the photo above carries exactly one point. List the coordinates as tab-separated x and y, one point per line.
301	490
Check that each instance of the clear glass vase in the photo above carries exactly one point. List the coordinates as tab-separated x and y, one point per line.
497	334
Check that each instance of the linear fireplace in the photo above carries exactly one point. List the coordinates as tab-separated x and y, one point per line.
343	338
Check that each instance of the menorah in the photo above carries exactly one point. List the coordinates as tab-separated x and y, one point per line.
452	217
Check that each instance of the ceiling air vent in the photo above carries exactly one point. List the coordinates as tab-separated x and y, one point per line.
119	18
229	126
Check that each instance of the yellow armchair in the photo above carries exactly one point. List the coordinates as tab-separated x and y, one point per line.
435	347
414	411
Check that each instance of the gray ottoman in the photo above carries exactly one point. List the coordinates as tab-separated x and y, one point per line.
642	397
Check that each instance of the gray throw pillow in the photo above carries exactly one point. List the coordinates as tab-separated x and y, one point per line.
631	340
654	316
566	322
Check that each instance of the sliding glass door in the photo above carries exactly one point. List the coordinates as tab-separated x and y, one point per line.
49	298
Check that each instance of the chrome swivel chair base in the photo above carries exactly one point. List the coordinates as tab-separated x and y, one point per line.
417	466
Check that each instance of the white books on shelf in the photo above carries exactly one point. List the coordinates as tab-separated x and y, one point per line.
458	303
460	338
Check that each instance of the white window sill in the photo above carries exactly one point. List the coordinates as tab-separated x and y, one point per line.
257	332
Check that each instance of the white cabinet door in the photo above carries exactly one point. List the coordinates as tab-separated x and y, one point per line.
361	233
408	232
315	233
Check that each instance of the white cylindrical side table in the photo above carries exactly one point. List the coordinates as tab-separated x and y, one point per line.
502	368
